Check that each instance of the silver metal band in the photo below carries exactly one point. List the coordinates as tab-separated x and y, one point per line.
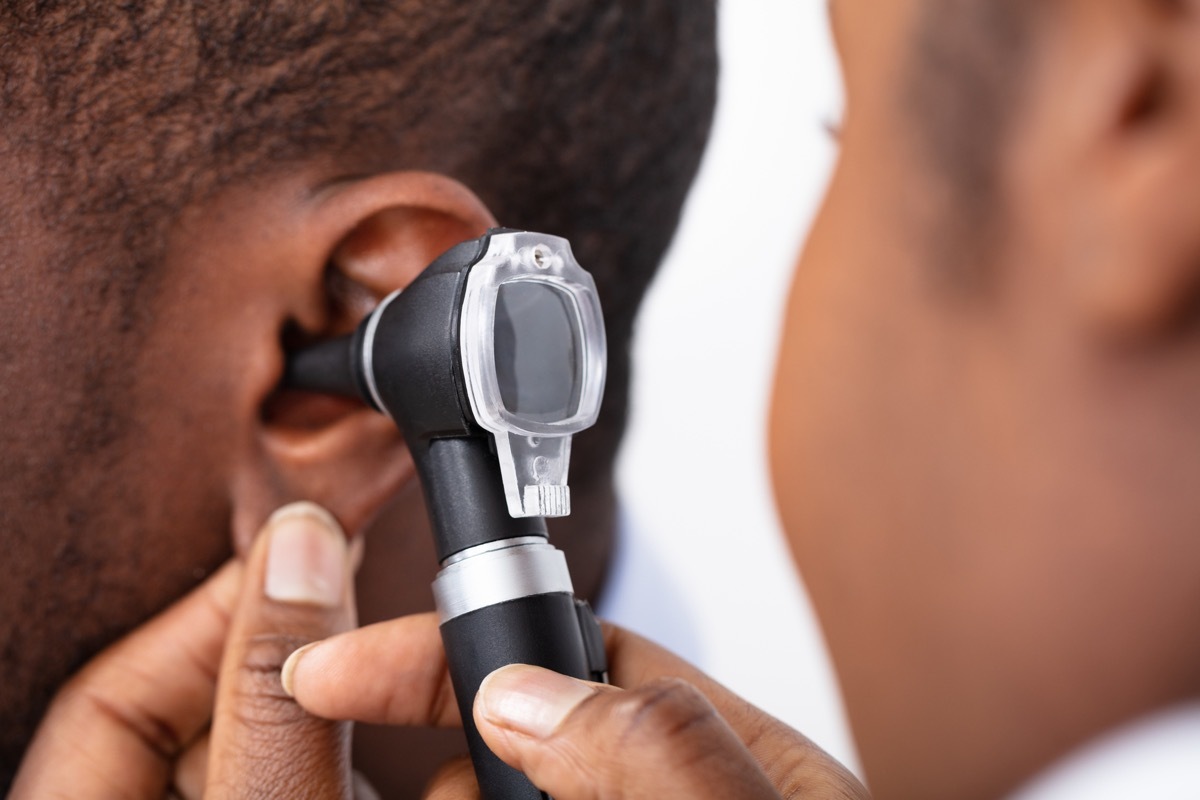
369	349
499	575
491	547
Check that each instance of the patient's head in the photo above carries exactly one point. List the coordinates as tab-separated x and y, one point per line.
986	426
191	189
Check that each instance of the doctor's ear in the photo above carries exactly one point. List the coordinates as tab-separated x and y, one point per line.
1136	203
361	240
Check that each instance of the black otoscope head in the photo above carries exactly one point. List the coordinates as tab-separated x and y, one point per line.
489	362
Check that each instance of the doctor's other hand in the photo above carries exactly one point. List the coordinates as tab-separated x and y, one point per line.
665	738
672	732
190	704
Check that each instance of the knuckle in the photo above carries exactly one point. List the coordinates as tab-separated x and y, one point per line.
260	698
665	722
265	744
663	710
156	733
806	771
796	766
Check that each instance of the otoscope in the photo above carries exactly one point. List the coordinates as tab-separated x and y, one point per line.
488	362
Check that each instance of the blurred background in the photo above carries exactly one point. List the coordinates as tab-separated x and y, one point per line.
693	475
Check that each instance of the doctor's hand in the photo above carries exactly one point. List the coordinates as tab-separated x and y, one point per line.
190	704
672	732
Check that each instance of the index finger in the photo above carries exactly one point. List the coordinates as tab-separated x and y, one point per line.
127	715
389	673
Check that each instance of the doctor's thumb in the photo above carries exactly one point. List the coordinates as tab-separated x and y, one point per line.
577	740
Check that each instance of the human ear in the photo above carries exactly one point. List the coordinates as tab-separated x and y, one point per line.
1136	249
362	240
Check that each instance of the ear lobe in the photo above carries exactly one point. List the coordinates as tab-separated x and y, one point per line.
375	236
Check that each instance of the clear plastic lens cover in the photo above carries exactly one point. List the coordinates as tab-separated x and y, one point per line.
534	357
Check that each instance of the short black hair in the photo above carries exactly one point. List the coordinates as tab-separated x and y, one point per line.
965	81
577	118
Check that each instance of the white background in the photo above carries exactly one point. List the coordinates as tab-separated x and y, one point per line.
693	474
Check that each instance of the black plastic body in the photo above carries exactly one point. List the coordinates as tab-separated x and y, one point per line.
419	377
541	629
333	366
465	496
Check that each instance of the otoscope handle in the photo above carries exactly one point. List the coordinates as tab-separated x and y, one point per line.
546	630
504	594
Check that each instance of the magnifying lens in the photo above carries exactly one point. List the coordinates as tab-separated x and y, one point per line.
489	362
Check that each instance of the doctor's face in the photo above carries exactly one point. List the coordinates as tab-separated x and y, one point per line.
984	436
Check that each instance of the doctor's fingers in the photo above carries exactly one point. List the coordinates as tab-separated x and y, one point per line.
663	739
394	673
297	588
388	673
793	763
118	725
584	741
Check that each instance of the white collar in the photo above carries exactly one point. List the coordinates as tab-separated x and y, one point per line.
1157	756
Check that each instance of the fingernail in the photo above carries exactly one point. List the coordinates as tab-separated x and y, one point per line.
288	672
529	700
306	562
